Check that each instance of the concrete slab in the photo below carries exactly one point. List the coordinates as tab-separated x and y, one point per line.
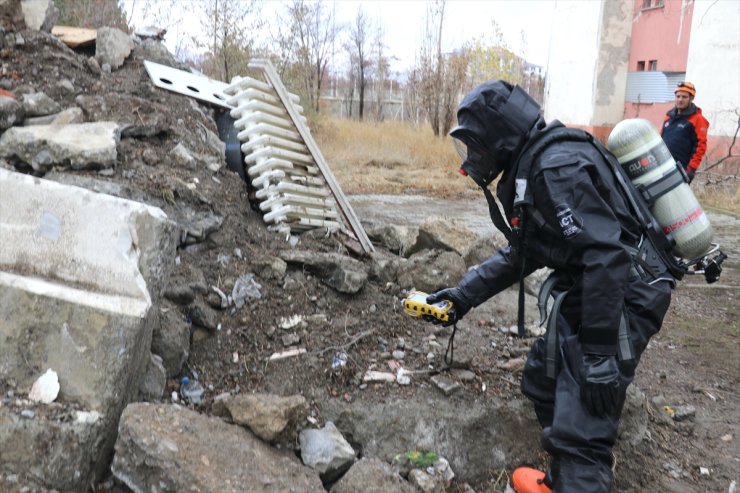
80	274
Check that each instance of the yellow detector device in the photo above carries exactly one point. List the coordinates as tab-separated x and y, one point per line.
415	305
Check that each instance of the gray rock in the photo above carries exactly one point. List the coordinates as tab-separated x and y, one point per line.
79	146
482	248
443	233
11	112
179	293
446	385
40	15
339	272
372	476
268	267
291	340
112	46
203	315
155	378
171	339
39	104
430	270
326	451
65	117
168	448
268	416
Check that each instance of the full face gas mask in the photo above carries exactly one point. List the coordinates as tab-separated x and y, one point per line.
477	162
494	121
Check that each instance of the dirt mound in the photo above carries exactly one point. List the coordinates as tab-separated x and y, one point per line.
225	239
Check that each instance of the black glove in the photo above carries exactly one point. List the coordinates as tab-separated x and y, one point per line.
460	304
600	387
690	174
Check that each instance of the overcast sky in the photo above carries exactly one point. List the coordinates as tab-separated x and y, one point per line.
403	24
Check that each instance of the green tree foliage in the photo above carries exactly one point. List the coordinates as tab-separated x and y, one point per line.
91	13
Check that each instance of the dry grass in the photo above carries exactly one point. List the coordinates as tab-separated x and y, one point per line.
390	157
396	158
719	194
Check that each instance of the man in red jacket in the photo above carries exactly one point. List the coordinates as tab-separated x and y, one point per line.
685	130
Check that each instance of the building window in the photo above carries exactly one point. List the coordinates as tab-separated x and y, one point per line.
641	66
653	65
652	4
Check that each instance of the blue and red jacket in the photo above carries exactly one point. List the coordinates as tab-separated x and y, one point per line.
685	134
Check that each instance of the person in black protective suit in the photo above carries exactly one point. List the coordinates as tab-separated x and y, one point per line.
577	221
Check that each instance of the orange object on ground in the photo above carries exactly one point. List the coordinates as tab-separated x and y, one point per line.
528	480
7	94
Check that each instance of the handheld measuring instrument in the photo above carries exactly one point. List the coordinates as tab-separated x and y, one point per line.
415	305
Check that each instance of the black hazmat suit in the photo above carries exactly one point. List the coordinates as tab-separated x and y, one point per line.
580	225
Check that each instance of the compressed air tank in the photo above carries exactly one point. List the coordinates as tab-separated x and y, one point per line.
645	159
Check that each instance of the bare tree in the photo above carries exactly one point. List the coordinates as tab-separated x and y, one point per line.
431	64
382	68
313	30
229	28
360	61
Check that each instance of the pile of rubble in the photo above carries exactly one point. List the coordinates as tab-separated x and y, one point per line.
130	257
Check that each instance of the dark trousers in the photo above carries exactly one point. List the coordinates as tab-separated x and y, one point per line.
580	444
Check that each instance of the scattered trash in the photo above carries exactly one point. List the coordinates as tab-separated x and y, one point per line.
371	376
223	260
46	388
339	360
733	487
28	413
225	301
177	260
726	438
290	322
87	417
704	471
235	357
402	377
245	288
191	390
287	354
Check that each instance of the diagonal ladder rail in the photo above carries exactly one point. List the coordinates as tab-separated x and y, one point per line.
345	208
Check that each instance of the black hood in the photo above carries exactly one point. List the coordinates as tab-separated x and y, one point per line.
494	121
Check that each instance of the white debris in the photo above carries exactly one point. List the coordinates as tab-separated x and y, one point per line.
378	376
704	471
87	417
402	377
290	322
235	357
46	388
287	354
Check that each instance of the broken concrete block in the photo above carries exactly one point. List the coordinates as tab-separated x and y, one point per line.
79	146
170	448
112	47
80	271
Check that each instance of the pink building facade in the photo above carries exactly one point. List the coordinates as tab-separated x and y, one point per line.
659	49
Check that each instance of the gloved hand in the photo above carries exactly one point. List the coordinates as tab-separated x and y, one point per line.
600	388
460	304
690	173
